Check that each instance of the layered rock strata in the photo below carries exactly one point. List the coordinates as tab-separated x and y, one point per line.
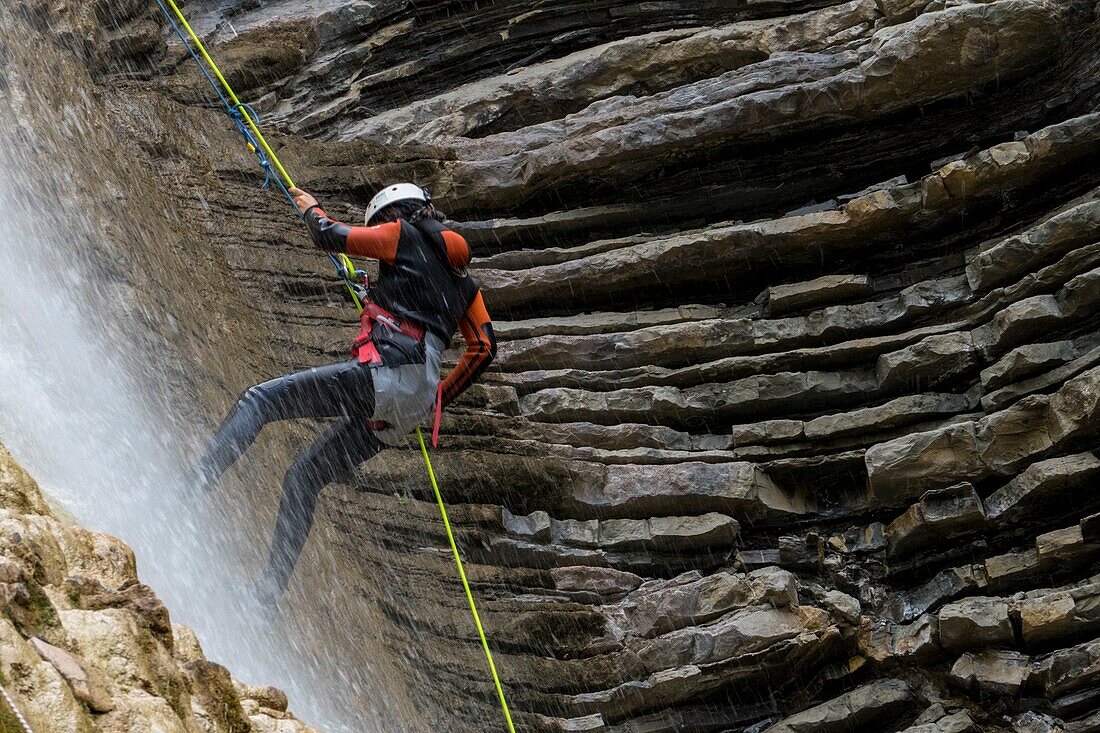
794	420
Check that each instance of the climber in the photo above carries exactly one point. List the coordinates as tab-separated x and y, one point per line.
389	386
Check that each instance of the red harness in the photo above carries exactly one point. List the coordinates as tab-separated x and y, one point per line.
364	349
366	352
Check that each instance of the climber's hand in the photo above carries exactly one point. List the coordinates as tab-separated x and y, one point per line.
303	200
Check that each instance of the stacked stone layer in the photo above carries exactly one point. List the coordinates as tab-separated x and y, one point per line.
794	420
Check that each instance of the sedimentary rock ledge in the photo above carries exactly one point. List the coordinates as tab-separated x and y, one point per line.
794	421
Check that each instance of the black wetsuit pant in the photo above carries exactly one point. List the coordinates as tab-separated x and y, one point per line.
344	391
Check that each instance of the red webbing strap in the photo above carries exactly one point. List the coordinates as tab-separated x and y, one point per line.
438	414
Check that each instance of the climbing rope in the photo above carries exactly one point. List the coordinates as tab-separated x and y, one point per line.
247	123
466	583
15	710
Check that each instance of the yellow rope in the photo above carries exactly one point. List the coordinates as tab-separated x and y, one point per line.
247	116
466	583
232	95
346	262
349	270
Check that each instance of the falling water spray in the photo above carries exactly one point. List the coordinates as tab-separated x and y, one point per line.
91	406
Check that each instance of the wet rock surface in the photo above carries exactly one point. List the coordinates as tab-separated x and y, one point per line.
84	646
794	419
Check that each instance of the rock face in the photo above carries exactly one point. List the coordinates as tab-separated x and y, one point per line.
85	646
794	419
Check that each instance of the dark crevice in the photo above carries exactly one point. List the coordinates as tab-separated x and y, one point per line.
449	39
800	168
733	282
529	110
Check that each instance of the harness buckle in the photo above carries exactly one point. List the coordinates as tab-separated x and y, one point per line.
364	348
388	322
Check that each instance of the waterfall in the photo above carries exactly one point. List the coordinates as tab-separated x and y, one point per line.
86	409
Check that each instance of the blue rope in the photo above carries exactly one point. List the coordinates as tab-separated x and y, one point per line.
238	112
195	56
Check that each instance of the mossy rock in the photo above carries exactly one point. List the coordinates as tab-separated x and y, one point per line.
36	616
18	491
9	723
213	688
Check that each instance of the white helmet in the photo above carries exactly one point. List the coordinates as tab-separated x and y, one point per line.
392	194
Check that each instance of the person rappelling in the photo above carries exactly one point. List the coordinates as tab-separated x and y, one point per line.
422	295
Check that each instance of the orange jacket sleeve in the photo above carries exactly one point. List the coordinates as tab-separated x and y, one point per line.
481	349
377	242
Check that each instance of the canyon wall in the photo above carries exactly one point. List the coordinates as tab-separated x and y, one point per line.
793	422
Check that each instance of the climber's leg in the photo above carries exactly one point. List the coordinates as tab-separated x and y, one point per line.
334	455
336	390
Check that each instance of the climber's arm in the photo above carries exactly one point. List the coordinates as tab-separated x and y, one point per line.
377	242
481	349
